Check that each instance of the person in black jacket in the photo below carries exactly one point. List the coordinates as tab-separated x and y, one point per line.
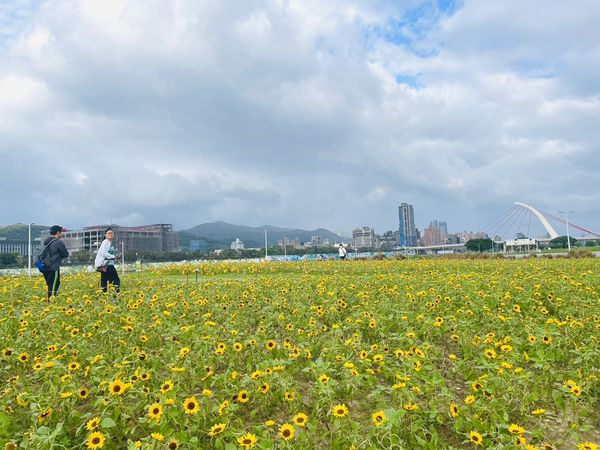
56	251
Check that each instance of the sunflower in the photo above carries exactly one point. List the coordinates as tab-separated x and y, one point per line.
411	407
154	411
83	393
157	436
271	345
289	396
173	444
324	379
117	387
238	346
538	412
469	400
587	446
475	438
576	390
222	407
453	409
92	424
340	410
217	429
167	386
43	416
247	441
95	440
264	388
286	431
515	429
191	405
242	396
300	419
378	417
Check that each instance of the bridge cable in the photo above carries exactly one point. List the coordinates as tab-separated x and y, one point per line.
522	220
522	213
494	222
516	211
493	227
570	224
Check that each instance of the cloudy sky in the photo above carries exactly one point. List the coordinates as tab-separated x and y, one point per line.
299	113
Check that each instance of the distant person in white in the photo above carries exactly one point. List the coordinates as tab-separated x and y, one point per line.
106	258
342	251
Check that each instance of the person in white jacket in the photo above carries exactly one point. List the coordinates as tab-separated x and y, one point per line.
106	258
342	252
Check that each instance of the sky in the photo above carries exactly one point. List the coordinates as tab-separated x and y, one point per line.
297	113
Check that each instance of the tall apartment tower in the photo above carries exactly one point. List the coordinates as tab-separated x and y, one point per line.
408	232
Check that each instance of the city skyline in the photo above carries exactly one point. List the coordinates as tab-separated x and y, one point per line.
308	114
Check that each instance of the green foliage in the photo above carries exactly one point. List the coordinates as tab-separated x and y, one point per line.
8	259
20	232
561	242
479	245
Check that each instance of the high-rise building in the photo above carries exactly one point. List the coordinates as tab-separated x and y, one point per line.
442	227
389	240
408	232
363	237
432	236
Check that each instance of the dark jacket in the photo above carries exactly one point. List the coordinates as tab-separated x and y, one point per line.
57	251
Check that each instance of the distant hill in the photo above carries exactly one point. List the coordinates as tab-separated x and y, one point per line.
226	233
20	231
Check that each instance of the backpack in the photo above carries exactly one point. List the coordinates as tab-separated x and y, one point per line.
42	259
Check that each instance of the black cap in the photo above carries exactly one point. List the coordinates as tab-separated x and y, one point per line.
55	229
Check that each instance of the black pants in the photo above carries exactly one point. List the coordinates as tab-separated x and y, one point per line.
52	278
110	277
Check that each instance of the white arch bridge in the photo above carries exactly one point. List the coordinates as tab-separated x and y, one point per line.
520	214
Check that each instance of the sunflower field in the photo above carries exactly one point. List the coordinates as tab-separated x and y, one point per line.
412	354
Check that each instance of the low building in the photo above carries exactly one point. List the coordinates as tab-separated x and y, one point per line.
524	245
237	245
293	243
18	246
157	238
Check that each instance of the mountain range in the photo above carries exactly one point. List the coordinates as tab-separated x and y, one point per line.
224	233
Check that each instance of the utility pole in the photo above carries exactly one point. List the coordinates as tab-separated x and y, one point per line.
266	252
29	253
123	257
566	213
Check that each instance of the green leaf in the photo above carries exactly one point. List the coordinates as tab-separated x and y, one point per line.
107	422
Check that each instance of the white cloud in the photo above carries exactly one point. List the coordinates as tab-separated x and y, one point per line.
289	112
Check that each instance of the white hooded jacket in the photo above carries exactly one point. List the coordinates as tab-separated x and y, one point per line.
103	256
